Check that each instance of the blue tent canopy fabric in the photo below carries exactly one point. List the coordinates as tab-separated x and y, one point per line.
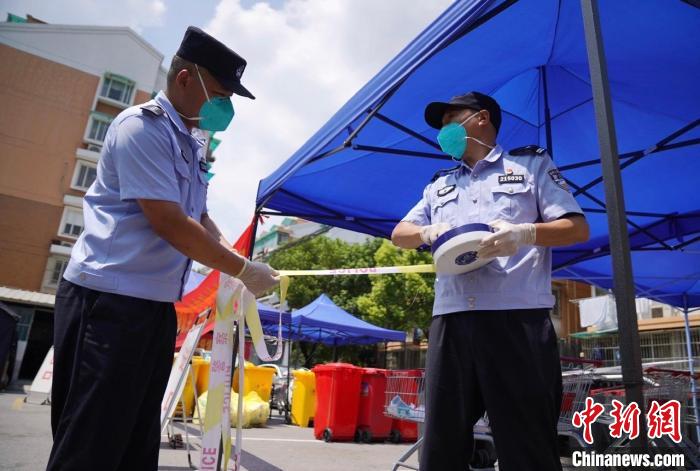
673	278
367	166
322	321
271	316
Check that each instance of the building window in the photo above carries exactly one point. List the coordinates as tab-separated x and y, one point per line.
85	174
54	272
71	223
59	267
97	130
117	88
24	324
657	312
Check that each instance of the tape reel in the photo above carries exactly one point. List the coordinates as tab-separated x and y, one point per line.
454	252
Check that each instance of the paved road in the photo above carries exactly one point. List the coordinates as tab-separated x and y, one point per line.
25	443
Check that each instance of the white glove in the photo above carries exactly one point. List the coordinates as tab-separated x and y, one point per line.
429	234
258	277
507	239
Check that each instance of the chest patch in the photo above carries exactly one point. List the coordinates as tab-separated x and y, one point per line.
446	190
510	178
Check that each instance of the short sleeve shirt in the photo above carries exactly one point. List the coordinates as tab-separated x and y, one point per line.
148	153
524	188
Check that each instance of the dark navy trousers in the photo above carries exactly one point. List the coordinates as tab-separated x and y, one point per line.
505	363
112	360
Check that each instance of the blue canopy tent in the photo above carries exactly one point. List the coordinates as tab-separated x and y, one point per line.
531	56
322	321
569	77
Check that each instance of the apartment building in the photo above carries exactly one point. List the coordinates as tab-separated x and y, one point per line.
61	86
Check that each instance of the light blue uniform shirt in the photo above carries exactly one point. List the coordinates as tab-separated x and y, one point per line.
147	154
529	189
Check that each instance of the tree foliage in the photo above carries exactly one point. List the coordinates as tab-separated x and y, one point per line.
401	301
324	253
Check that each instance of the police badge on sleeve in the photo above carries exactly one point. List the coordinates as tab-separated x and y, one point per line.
557	178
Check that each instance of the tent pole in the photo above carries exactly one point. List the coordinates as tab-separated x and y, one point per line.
630	351
547	113
386	353
634	154
691	368
640	155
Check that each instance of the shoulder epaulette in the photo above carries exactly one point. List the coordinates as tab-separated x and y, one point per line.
443	172
528	150
153	109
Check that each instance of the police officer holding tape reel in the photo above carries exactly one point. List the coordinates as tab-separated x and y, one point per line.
492	347
145	220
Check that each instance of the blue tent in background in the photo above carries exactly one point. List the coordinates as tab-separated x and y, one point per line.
271	316
324	322
369	163
321	321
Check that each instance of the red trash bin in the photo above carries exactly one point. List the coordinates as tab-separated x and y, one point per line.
372	424
406	430
337	401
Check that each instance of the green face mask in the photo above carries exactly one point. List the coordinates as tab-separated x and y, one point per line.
216	113
453	138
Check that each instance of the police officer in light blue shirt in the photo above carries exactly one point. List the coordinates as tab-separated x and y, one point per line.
145	220
492	347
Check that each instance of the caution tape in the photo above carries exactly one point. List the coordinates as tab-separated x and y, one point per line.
234	303
217	415
427	268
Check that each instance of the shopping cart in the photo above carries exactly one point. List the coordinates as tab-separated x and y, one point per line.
575	389
661	385
572	365
578	377
685	387
404	400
